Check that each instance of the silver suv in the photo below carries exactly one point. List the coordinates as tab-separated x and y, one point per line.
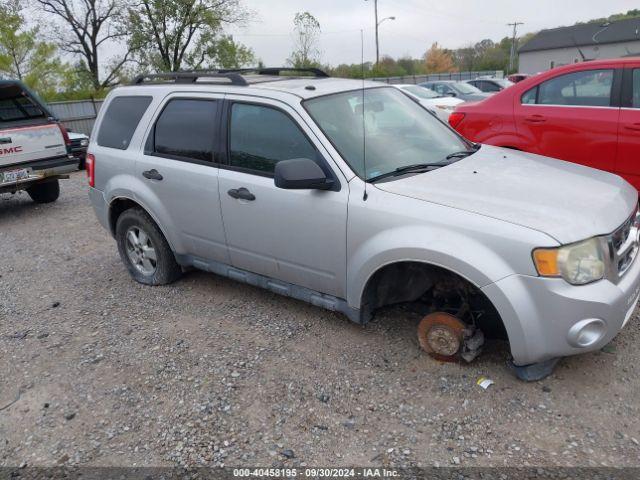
350	196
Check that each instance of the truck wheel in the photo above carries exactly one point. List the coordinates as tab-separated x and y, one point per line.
45	192
144	250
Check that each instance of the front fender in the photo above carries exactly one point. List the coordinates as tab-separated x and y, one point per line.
458	253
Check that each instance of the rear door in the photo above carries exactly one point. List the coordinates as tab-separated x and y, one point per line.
573	117
26	132
179	165
628	160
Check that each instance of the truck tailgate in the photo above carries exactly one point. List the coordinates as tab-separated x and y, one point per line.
25	144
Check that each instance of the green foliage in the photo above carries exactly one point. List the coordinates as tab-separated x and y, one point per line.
635	13
173	35
24	56
306	52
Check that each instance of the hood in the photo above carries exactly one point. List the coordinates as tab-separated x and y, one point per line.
447	101
569	202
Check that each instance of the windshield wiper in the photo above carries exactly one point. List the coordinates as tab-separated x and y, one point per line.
464	153
416	168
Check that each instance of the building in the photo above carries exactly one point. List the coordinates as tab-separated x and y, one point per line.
561	46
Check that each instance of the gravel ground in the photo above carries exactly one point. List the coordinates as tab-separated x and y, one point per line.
208	371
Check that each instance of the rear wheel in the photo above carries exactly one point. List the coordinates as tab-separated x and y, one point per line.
45	192
144	250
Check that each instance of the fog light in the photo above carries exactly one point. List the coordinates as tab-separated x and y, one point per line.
587	332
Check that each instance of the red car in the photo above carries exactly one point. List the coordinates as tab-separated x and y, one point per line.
587	113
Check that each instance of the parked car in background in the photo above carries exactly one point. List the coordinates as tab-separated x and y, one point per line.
518	77
461	90
587	113
34	147
490	85
79	145
351	196
441	105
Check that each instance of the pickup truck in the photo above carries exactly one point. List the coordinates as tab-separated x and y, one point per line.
34	146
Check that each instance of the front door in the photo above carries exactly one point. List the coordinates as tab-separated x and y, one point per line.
298	236
178	166
572	117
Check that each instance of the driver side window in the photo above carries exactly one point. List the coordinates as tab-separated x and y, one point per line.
261	136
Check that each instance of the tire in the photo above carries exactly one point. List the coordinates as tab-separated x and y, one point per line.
139	241
45	192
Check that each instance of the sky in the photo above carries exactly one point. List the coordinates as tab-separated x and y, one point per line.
418	24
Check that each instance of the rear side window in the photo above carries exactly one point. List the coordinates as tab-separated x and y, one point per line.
588	88
260	137
186	129
121	120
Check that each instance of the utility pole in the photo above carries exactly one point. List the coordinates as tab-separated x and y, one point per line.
512	56
378	23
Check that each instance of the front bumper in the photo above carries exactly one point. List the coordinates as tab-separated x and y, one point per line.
541	315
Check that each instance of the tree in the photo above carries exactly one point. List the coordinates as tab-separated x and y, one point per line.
231	54
85	27
171	35
438	60
306	51
24	56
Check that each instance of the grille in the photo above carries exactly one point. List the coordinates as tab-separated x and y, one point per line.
624	244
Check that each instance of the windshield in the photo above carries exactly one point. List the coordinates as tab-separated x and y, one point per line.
421	92
466	88
397	131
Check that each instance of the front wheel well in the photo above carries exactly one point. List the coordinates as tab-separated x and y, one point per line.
431	288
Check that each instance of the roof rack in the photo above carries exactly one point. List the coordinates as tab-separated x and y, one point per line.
277	71
191	77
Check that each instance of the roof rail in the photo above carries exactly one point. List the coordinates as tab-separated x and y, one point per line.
191	77
277	71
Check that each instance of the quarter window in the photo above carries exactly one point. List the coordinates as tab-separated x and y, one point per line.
260	137
636	88
186	129
121	120
529	97
587	88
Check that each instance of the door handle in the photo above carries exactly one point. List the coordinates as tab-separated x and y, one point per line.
152	174
633	126
535	119
241	194
5	140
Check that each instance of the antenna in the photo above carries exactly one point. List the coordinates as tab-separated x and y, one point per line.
364	127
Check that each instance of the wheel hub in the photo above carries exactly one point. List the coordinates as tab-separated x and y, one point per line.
141	251
441	335
443	340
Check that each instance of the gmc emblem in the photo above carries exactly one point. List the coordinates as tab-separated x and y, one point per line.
10	150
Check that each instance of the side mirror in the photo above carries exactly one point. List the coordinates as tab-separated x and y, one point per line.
451	94
301	174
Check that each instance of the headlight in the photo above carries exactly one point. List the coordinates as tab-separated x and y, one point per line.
84	142
578	264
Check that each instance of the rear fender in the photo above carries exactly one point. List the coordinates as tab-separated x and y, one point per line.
130	187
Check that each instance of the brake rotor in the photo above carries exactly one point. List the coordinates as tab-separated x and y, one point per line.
441	335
